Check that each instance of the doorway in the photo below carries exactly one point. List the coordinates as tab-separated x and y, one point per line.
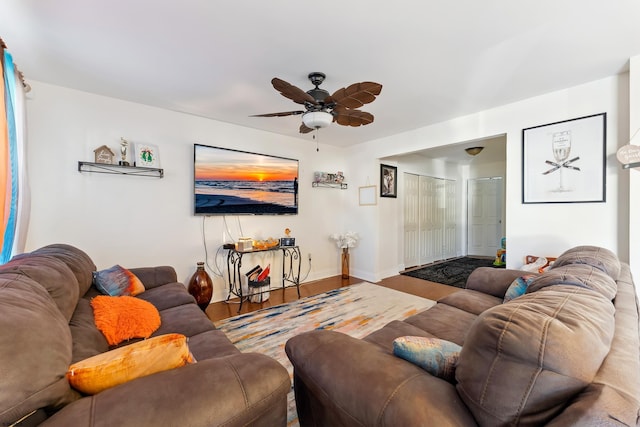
485	227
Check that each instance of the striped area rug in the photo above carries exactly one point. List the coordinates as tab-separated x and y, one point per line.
356	310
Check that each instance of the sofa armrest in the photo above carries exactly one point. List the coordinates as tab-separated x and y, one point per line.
343	381
493	281
236	390
152	277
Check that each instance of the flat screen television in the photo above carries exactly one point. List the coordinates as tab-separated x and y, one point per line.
234	182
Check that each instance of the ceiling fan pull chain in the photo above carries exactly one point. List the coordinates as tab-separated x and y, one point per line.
316	139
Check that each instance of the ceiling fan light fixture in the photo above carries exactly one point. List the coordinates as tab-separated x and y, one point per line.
317	119
473	151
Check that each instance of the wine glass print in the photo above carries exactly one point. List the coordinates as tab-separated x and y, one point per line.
561	146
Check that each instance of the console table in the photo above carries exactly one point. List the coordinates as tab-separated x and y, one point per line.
290	270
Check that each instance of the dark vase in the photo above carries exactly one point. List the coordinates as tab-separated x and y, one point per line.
345	263
201	287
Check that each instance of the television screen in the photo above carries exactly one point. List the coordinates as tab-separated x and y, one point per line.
233	182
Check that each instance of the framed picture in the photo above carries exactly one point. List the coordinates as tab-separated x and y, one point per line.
388	181
367	195
147	156
565	162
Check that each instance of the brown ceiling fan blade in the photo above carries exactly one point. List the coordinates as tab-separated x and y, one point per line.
292	92
346	117
357	94
282	114
305	129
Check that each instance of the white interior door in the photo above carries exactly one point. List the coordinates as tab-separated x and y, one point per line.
411	220
484	216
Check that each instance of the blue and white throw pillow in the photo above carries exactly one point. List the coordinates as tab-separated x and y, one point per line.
518	287
436	356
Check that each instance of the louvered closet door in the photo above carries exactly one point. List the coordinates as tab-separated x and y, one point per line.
449	236
429	232
411	220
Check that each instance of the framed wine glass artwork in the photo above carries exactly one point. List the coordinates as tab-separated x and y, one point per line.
565	162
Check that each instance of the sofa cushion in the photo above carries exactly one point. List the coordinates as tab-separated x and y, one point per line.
109	369
187	319
522	361
87	338
444	321
581	275
77	260
600	258
52	274
474	302
155	276
385	336
125	317
210	344
167	296
35	350
436	356
117	281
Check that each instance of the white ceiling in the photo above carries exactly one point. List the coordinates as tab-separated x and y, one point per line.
436	60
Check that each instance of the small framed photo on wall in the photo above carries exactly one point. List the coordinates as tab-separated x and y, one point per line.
388	181
147	155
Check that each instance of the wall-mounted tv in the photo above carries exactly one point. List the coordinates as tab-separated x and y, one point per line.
234	182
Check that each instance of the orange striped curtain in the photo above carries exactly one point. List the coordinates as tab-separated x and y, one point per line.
14	206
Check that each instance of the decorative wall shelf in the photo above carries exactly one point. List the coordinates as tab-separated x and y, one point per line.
119	170
341	186
631	165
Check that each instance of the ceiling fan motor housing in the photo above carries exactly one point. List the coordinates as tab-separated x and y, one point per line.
318	94
317	78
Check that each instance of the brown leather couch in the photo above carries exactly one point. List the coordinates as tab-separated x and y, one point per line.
565	353
46	323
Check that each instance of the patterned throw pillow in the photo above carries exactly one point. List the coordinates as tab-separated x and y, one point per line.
123	318
117	281
518	287
436	356
106	370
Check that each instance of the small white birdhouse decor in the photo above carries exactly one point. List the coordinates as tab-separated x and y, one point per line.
104	155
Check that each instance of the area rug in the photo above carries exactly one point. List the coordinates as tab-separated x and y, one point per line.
453	273
356	310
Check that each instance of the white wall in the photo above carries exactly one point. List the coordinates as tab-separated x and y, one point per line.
142	221
632	177
148	221
544	229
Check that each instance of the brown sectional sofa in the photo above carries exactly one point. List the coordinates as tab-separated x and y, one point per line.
565	353
46	323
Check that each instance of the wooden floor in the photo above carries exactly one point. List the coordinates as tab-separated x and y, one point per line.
411	285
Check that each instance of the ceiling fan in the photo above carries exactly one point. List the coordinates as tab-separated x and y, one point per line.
321	108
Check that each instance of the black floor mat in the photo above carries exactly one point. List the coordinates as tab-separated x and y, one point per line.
453	273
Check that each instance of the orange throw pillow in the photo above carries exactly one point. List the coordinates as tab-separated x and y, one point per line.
106	370
125	317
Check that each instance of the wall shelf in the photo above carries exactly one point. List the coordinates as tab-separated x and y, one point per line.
341	186
119	170
631	165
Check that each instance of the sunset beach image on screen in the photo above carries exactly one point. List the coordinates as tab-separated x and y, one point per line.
234	182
